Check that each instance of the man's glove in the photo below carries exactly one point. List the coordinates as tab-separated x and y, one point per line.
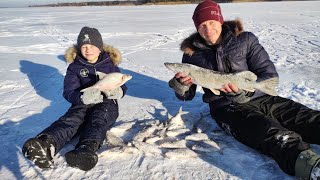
178	87
116	93
238	97
92	96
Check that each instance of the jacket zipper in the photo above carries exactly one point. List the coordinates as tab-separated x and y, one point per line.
95	72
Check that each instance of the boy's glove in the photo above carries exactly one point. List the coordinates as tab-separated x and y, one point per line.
92	96
238	97
178	87
116	93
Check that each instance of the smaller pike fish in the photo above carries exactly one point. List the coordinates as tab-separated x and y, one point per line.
215	80
109	81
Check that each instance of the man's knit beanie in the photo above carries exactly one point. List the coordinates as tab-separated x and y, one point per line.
207	10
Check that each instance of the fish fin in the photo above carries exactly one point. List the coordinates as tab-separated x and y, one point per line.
107	92
101	74
248	75
269	86
182	112
85	89
216	92
250	90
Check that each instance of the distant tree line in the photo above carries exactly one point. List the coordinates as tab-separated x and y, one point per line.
139	2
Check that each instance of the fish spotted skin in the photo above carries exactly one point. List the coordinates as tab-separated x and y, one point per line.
215	80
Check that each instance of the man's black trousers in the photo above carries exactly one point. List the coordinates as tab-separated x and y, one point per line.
275	126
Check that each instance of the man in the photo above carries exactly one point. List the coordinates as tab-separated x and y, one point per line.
275	126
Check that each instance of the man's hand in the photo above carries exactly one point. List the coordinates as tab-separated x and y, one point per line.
234	94
180	83
183	79
229	88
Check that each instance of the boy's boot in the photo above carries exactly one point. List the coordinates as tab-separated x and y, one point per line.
40	150
84	156
307	166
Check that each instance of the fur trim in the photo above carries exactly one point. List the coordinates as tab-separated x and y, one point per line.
114	54
70	54
236	26
186	46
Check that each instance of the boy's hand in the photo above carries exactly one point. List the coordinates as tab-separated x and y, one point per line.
116	93
92	96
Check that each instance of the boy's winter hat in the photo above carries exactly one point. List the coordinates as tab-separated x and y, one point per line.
207	10
91	36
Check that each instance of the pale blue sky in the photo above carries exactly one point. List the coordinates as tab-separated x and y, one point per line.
25	3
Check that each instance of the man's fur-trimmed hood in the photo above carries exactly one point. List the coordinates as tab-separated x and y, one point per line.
114	54
236	26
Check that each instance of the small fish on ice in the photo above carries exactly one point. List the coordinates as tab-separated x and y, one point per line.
176	121
207	146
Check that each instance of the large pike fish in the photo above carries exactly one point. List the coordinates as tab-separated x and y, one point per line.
215	80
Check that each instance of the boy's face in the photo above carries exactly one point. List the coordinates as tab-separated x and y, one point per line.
90	52
210	31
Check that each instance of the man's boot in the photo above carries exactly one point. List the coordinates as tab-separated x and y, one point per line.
84	156
307	166
40	150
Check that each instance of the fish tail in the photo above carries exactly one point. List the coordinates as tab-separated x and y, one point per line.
269	86
182	112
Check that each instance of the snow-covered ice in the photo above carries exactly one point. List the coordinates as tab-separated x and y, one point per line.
32	45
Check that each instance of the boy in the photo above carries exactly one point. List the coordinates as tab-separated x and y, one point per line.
91	113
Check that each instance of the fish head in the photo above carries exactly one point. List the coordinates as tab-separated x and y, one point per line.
178	67
173	66
126	77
